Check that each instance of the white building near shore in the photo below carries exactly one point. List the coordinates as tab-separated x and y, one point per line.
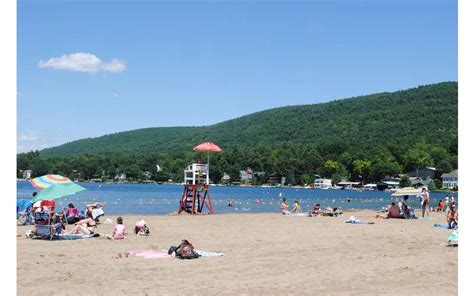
322	183
450	180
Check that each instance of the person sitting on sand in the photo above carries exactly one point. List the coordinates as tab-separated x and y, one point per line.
72	214
394	211
440	207
316	210
296	207
284	207
119	230
85	226
452	217
97	210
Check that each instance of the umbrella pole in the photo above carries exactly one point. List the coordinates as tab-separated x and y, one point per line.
65	218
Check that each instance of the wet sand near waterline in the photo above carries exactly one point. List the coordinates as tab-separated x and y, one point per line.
264	254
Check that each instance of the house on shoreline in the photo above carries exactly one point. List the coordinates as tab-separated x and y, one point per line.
450	180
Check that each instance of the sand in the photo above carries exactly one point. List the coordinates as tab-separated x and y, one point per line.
264	254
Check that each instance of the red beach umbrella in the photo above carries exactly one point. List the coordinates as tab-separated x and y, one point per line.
209	147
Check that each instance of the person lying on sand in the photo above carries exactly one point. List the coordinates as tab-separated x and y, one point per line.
332	212
316	210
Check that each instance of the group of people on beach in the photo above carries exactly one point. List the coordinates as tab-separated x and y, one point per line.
316	211
284	207
403	211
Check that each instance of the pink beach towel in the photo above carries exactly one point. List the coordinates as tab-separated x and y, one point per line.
150	254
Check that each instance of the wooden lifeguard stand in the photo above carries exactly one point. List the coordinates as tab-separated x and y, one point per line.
196	190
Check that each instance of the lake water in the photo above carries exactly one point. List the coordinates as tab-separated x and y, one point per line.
153	199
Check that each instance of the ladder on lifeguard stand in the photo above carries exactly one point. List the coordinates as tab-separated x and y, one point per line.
196	190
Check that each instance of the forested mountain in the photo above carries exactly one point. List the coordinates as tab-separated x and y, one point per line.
390	119
361	138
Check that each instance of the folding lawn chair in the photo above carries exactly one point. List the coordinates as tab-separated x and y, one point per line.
23	212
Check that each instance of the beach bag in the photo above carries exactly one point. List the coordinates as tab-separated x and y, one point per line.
141	228
185	250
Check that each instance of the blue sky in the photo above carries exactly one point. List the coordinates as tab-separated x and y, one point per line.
88	68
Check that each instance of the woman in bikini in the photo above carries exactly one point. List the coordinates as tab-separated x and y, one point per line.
86	226
284	207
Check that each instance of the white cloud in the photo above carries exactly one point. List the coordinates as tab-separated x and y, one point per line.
30	140
26	138
83	62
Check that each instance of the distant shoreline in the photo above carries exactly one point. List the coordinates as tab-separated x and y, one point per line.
230	185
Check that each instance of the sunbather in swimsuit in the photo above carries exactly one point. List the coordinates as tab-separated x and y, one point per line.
284	207
86	226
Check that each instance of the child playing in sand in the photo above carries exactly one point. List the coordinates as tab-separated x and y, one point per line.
119	230
296	207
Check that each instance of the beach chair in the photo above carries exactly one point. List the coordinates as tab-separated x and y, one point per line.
44	229
47	232
50	204
23	212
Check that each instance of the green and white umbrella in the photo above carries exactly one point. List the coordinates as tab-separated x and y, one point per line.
58	190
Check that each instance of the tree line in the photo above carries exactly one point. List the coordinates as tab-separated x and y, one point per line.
298	163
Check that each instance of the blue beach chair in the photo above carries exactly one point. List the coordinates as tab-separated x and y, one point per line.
23	212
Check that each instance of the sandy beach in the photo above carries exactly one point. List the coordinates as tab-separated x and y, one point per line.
264	254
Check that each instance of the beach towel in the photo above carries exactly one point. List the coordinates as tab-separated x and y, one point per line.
203	253
30	234
209	254
426	218
150	254
75	236
297	214
439	226
354	220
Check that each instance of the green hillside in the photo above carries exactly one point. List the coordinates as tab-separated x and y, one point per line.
399	118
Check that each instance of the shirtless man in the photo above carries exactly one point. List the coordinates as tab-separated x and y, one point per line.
426	202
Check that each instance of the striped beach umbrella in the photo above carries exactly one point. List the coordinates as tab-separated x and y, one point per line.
58	190
49	180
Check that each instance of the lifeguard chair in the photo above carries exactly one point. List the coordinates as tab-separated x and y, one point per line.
196	183
196	189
